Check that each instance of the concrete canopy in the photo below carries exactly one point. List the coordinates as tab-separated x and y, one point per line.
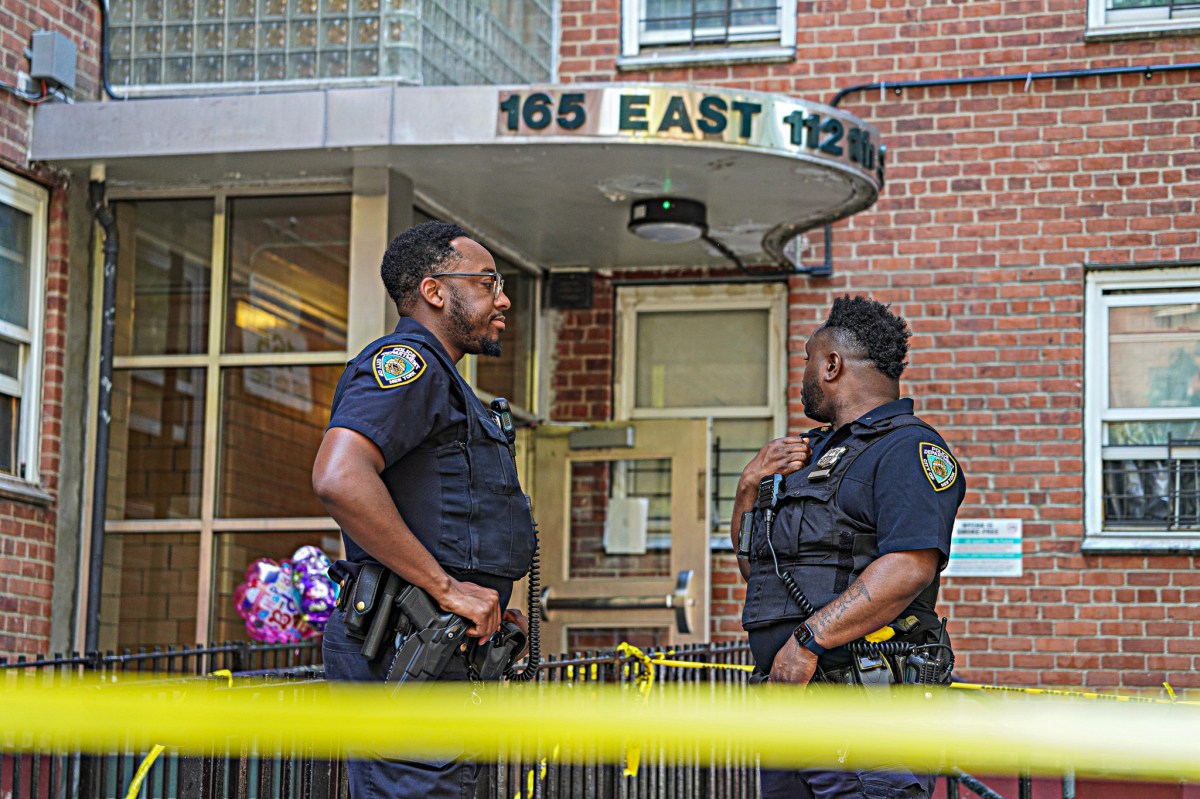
549	172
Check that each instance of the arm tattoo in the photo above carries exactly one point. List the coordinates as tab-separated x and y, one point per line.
839	607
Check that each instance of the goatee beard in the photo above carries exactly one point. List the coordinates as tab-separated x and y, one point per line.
489	347
482	344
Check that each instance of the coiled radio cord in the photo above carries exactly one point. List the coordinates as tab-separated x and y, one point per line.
534	605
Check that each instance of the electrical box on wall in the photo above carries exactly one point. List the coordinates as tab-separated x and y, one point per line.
52	59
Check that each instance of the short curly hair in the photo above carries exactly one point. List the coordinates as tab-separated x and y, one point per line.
414	255
871	328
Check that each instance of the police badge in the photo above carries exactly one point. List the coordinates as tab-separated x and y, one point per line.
824	466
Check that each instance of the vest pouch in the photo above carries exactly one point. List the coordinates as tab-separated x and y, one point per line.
498	470
363	599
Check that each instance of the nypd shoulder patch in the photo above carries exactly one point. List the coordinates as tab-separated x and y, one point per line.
397	365
940	467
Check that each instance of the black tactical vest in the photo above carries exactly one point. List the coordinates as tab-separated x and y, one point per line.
461	496
815	540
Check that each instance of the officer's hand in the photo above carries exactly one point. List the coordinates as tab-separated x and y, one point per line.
476	604
518	618
793	664
781	456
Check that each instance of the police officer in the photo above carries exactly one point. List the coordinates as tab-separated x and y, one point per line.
418	475
861	528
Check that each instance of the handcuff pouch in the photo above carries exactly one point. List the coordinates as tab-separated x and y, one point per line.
363	599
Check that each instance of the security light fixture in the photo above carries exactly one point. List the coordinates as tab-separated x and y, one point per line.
668	219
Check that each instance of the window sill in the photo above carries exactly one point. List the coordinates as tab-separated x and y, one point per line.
20	491
1117	33
1143	544
661	59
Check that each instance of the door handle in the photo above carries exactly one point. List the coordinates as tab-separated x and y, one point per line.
682	600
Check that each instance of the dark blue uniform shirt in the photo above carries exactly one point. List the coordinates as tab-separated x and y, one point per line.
400	419
887	487
406	416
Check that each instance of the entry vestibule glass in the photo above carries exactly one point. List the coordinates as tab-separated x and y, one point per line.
218	406
289	274
156	446
149	589
236	552
164	277
272	422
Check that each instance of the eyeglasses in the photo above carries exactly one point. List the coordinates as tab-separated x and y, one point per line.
497	280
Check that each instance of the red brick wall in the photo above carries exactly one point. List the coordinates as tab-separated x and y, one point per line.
27	529
996	197
581	388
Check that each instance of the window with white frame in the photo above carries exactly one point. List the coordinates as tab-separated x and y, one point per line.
661	31
22	285
1115	17
716	350
1143	409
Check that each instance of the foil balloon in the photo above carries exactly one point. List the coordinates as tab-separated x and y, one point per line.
267	602
315	592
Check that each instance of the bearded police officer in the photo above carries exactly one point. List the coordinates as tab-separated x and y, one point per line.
418	474
849	528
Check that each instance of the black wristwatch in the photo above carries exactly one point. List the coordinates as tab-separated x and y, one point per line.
806	639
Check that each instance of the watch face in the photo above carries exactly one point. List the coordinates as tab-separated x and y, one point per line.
803	634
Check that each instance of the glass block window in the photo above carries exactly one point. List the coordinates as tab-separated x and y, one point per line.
212	43
1134	16
171	42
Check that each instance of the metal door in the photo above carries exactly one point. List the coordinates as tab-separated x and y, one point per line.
590	485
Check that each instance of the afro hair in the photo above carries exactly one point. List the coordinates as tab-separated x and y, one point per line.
873	329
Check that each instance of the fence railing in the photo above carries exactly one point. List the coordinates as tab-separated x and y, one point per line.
234	769
239	657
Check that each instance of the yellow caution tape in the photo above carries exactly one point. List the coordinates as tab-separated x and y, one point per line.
136	785
143	769
978	731
1171	700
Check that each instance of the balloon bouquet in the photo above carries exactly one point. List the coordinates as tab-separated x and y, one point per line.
289	600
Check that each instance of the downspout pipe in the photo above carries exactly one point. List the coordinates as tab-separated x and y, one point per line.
104	217
1027	78
108	89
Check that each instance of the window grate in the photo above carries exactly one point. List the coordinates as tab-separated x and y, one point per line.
708	22
1153	493
1171	6
727	462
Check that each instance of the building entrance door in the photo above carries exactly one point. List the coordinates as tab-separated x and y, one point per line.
623	512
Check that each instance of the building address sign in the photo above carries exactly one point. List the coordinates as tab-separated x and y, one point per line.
689	114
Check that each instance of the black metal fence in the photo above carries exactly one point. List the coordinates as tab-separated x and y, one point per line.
235	770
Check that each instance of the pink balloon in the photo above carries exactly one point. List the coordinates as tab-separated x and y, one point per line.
267	604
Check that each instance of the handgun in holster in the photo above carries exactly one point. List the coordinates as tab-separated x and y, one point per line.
491	658
428	637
